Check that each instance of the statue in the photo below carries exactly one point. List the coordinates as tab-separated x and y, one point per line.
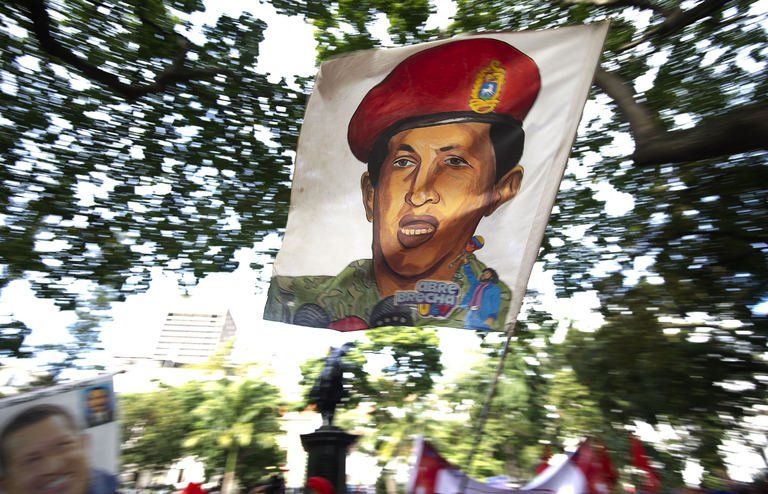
328	390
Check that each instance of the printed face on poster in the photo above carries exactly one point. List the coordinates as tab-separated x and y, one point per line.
424	179
62	439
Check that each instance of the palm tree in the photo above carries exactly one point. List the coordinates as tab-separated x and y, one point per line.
236	414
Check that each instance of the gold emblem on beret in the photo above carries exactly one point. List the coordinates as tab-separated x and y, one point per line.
486	90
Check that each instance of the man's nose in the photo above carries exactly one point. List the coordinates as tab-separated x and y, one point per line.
51	464
423	190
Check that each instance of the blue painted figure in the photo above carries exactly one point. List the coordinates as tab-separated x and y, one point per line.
482	299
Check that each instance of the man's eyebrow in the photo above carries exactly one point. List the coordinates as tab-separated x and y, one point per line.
449	147
406	147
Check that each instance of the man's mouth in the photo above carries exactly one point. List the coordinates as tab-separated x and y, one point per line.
415	230
55	484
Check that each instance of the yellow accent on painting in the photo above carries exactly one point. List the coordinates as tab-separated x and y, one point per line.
486	90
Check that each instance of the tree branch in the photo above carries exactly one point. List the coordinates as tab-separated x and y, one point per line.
44	31
641	121
141	13
688	325
640	4
681	18
676	20
739	130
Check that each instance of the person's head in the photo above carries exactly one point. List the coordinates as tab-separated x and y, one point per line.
442	138
193	488
42	451
475	243
489	274
435	184
98	399
319	485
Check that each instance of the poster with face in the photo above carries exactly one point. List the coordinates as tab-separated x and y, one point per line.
424	179
62	439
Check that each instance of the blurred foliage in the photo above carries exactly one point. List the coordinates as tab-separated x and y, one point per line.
510	429
85	335
412	361
390	372
154	425
235	429
678	271
227	423
12	335
102	185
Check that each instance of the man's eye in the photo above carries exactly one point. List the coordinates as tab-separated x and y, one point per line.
455	161
403	163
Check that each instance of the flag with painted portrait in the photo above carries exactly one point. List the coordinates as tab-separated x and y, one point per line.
424	179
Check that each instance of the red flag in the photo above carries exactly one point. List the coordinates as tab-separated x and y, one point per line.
428	464
587	471
610	473
593	460
544	464
651	481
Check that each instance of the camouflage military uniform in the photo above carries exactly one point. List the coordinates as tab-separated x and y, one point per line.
352	295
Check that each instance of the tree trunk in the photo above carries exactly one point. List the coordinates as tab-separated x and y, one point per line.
229	484
390	484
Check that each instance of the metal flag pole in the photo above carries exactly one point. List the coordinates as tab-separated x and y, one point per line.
478	432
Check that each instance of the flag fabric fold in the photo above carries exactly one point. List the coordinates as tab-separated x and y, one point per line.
424	473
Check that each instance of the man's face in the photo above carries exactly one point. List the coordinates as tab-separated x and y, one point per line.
435	185
97	400
47	457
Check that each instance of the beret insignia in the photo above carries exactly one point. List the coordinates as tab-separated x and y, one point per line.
486	90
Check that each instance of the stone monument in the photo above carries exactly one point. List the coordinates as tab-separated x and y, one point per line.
327	447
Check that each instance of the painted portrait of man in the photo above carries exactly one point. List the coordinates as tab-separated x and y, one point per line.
441	138
439	144
42	449
98	405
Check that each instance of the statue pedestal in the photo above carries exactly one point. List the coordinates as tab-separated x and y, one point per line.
327	449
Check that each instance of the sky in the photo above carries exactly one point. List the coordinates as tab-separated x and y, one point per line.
288	50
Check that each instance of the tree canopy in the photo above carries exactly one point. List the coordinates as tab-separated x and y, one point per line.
231	424
680	272
126	146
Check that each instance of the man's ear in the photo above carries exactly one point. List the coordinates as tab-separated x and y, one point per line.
506	188
368	194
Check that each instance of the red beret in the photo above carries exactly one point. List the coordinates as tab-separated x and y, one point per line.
477	79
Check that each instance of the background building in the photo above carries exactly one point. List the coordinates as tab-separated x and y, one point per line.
192	337
170	346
